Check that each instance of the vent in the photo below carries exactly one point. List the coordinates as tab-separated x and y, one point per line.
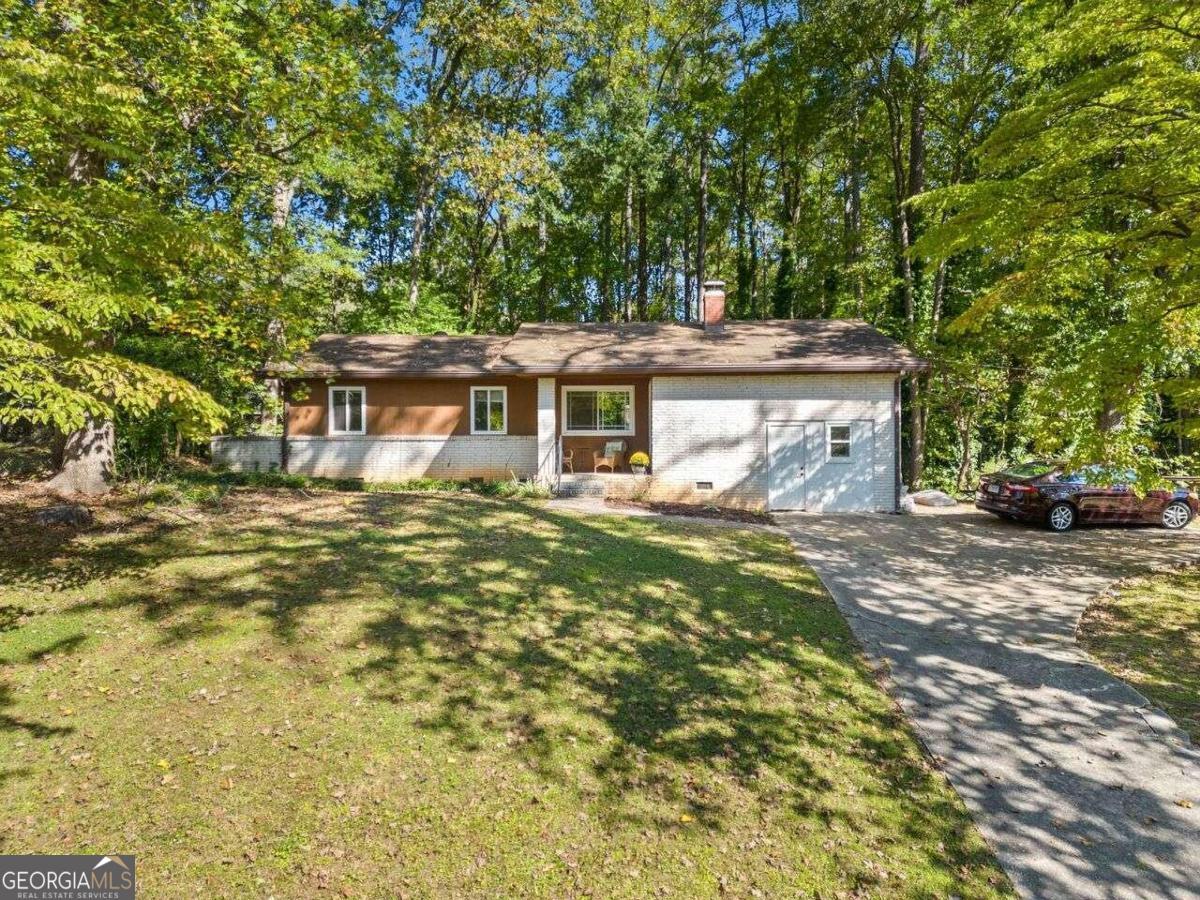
704	485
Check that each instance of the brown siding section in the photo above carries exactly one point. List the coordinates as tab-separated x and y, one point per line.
413	406
584	446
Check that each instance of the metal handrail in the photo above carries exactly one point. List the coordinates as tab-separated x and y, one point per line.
558	448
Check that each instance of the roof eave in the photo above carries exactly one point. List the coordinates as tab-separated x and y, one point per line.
790	369
295	375
847	368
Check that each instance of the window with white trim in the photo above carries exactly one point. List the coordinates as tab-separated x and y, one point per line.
598	410
839	442
347	410
489	410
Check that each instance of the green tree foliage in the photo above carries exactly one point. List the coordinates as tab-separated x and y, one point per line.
195	188
148	263
1089	192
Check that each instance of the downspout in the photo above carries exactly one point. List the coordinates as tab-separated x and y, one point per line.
650	423
896	440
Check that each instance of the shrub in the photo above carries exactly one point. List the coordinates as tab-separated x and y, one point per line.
191	484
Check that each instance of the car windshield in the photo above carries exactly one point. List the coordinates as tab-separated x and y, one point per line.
1029	470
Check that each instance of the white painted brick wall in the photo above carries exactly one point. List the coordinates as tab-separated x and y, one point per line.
245	454
392	458
547	456
713	428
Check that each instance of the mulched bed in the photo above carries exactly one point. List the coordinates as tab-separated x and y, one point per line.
700	512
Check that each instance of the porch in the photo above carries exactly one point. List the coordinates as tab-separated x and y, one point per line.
589	428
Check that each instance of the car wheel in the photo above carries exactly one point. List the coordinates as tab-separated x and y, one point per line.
1061	517
1176	515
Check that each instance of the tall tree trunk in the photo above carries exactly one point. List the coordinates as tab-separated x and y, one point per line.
916	431
481	253
670	275
1012	406
902	242
686	250
702	223
901	236
903	239
852	221
916	145
942	274
626	250
939	295
740	238
88	460
420	223
543	283
87	463
755	294
963	478
605	314
643	260
283	193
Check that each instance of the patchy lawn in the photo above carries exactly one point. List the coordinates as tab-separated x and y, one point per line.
434	696
1148	633
23	461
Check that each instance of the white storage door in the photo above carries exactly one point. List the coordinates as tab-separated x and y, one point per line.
787	454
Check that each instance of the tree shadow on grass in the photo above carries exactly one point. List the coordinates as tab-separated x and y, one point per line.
684	668
54	558
1147	635
10	722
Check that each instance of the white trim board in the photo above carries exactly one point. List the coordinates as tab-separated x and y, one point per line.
503	389
329	429
609	432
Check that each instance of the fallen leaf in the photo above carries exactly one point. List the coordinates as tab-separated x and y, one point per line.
1186	804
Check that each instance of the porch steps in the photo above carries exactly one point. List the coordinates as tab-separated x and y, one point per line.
582	485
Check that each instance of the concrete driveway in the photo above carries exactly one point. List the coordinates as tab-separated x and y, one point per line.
1082	789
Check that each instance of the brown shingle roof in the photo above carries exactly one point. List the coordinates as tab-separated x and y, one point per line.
397	354
780	345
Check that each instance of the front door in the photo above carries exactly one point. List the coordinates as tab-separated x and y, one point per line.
786	458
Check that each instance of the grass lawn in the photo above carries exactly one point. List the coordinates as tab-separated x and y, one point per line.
1148	633
453	696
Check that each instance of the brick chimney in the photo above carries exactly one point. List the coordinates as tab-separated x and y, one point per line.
712	305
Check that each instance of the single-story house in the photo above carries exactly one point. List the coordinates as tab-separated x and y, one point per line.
781	414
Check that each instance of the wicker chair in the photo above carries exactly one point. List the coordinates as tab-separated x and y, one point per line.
611	456
568	461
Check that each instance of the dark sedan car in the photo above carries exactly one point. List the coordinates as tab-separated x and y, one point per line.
1061	499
